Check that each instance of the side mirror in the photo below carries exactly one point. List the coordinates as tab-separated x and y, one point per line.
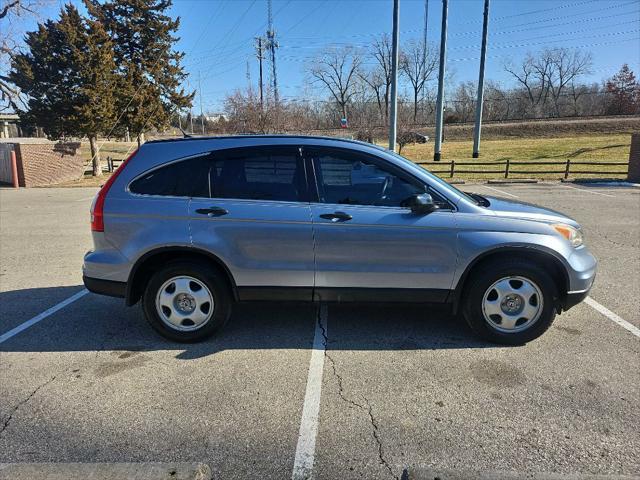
421	203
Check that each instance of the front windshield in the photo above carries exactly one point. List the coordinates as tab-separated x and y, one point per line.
437	179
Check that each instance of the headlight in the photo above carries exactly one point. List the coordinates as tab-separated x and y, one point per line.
572	234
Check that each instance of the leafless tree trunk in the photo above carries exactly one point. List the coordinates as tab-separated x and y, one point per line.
381	50
417	65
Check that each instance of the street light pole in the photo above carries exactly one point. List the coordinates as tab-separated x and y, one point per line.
393	128
483	57
439	108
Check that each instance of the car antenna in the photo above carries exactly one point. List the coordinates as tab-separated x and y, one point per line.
185	134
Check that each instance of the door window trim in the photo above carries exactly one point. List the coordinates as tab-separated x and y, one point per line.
375	160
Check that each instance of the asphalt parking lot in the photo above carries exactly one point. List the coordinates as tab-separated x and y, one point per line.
398	392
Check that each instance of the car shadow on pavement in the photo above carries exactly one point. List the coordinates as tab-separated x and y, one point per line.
97	323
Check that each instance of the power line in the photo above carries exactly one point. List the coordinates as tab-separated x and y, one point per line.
575	22
533	12
589	12
531	44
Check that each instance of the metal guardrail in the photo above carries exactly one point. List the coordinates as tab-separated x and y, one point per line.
506	168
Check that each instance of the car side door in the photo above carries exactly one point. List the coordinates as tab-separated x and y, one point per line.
368	242
257	220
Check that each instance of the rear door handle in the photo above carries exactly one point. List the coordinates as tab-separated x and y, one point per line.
212	211
337	216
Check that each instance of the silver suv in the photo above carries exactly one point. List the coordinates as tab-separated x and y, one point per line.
191	226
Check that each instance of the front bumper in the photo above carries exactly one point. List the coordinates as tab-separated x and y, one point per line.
582	274
574	298
105	287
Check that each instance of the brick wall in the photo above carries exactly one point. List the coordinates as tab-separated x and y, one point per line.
634	159
46	164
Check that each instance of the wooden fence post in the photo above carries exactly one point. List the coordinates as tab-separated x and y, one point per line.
506	170
566	170
453	168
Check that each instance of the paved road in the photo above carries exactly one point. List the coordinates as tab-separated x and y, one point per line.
405	391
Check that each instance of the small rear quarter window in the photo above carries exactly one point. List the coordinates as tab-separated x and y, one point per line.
185	178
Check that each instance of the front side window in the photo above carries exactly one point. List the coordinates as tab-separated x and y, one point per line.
352	179
258	173
186	178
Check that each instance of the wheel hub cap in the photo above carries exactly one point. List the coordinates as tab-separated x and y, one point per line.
184	303
512	304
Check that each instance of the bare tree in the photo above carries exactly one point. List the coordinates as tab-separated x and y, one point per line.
417	63
381	51
532	75
10	37
566	67
549	74
335	69
464	101
376	82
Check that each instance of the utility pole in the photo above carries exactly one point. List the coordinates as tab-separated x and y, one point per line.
201	111
483	57
272	44
260	56
424	37
440	105
393	128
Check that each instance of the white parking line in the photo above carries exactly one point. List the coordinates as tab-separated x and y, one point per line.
23	326
305	450
612	316
589	191
500	191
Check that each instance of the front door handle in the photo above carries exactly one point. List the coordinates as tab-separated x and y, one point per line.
212	211
337	216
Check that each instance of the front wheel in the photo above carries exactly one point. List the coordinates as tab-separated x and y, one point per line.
510	301
186	302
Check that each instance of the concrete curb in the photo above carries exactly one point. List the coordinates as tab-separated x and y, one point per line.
515	180
105	471
601	181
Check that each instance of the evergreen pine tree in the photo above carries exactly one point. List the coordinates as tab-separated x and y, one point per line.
68	75
148	67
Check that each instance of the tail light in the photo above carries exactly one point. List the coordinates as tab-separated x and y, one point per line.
97	207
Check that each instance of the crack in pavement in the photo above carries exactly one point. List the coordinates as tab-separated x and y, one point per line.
378	441
22	402
368	408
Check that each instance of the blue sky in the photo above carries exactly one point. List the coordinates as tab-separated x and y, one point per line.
217	36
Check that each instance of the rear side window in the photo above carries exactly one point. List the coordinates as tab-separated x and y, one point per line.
259	173
186	178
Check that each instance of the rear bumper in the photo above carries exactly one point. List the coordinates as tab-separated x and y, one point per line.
105	287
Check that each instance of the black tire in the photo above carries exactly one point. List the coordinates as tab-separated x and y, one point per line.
216	284
489	273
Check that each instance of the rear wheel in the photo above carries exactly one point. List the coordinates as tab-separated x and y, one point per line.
186	302
510	301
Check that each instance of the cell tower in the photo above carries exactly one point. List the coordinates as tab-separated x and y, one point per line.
271	45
